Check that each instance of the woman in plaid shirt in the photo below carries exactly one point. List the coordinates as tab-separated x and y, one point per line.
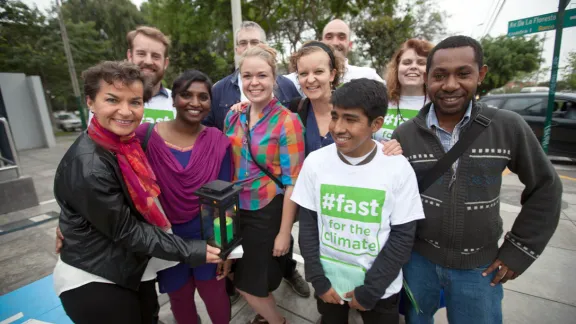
267	161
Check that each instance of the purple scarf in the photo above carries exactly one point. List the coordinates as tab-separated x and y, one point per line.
178	184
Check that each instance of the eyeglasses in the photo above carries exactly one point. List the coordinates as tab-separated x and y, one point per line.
253	42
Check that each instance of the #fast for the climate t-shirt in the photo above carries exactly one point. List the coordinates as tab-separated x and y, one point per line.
406	109
159	108
356	206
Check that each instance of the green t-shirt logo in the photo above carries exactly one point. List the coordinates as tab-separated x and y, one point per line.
351	218
157	115
393	120
357	204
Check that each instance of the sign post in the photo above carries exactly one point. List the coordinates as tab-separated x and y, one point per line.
554	75
556	20
540	23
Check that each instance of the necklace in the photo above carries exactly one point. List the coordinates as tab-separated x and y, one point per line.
400	113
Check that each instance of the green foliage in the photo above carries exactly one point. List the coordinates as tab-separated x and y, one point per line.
570	73
113	19
533	76
32	44
561	85
201	35
508	56
382	29
383	35
20	27
87	47
200	31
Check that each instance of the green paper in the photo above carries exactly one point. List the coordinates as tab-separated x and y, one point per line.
411	297
344	277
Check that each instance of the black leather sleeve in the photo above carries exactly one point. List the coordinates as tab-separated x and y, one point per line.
99	198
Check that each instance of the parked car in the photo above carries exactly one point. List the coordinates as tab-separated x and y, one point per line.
68	122
532	106
534	89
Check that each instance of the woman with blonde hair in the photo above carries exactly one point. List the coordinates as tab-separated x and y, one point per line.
405	82
268	152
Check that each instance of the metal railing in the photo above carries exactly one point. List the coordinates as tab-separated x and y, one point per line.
7	164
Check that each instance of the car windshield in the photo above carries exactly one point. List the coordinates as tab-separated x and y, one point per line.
64	117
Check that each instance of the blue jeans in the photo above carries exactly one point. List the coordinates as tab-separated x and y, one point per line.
469	297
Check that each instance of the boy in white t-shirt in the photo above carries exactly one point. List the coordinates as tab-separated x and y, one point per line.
358	212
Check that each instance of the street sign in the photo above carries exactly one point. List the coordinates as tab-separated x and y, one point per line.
540	23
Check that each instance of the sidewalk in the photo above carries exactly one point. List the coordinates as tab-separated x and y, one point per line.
546	293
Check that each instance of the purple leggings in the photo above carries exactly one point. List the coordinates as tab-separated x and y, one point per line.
212	292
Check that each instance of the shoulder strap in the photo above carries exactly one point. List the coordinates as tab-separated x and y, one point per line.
480	123
265	170
303	110
299	105
144	143
294	105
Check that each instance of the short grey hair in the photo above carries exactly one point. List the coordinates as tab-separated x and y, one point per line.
251	24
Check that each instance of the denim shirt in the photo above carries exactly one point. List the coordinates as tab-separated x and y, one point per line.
446	138
226	93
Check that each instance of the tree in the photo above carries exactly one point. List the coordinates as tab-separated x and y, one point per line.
506	57
113	19
200	32
88	47
289	23
561	85
382	29
570	71
20	27
533	76
429	21
32	44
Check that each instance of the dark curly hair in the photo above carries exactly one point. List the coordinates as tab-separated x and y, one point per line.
114	71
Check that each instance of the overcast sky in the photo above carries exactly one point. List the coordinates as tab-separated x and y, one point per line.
470	17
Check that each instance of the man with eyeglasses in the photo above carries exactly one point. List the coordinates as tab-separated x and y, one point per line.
228	91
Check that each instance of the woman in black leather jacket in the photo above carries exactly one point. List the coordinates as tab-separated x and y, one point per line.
110	218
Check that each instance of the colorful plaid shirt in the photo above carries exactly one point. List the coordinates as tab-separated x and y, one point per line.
277	144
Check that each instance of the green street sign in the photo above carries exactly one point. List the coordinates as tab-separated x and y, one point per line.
540	23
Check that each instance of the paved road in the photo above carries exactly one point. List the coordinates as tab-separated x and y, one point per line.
546	293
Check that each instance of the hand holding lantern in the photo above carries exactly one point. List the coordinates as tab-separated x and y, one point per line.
219	218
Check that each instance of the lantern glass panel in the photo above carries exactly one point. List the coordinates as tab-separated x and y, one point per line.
207	221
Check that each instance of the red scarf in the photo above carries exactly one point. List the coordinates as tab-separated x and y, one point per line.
136	171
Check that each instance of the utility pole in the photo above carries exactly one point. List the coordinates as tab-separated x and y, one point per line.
236	22
71	68
491	24
554	75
